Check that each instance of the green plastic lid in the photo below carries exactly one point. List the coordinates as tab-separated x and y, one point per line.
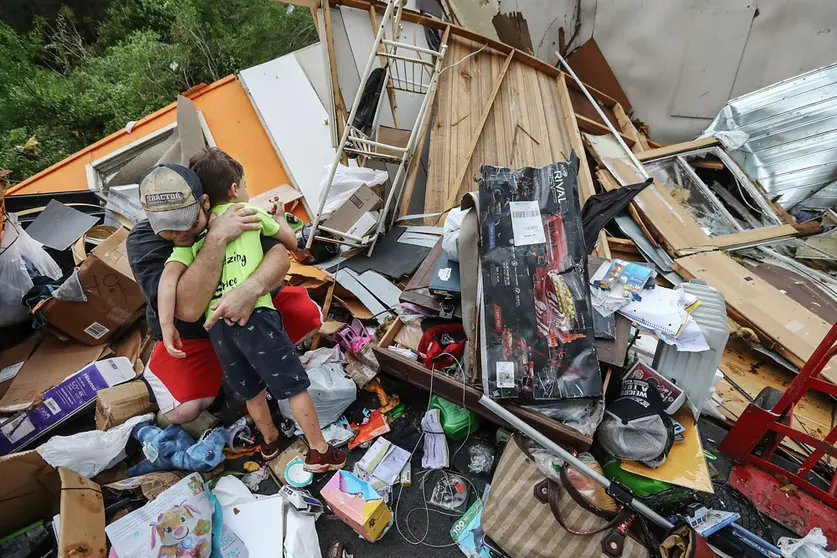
641	486
457	422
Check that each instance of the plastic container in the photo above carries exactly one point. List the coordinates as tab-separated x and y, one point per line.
694	373
457	422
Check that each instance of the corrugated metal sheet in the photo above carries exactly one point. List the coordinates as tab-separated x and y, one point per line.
792	145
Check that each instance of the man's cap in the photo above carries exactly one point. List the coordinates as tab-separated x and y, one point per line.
635	425
169	194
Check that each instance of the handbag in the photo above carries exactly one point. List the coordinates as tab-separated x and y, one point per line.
531	516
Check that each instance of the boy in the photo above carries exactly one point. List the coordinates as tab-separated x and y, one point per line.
258	354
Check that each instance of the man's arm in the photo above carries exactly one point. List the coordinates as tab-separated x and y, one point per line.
199	281
236	305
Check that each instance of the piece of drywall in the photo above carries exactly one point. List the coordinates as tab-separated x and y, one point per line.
312	62
294	119
714	47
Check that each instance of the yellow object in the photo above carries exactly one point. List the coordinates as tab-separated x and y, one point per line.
251	466
388	402
686	464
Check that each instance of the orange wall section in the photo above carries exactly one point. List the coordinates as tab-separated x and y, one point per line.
231	119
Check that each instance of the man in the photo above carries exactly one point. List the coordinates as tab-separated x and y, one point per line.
185	387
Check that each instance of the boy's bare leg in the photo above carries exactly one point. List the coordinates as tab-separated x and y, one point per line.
302	407
260	412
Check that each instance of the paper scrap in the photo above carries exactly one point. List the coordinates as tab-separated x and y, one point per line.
10	372
527	225
436	453
384	461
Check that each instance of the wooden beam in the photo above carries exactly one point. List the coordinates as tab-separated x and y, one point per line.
453	189
586	188
415	162
591	126
627	128
676	148
339	105
326	309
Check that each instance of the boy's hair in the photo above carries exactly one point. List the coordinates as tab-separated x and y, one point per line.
217	172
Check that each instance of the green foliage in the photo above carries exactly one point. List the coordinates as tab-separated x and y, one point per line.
68	87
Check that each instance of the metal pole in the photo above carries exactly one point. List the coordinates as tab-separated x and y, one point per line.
596	106
507	416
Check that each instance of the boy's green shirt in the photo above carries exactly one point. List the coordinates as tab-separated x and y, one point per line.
243	255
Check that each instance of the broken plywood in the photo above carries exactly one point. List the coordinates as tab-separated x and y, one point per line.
756	303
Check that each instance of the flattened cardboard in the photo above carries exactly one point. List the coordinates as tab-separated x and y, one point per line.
114	299
82	529
115	405
12	357
30	490
48	366
351	210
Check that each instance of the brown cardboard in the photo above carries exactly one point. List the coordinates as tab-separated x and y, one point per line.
30	490
48	366
15	355
82	525
114	299
117	404
351	210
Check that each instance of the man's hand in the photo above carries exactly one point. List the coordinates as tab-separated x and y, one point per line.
235	306
232	223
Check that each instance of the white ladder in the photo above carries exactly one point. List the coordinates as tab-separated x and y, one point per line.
404	71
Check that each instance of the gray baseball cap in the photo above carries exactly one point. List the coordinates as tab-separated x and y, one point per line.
170	195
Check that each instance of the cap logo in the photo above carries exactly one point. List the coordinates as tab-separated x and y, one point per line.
164	198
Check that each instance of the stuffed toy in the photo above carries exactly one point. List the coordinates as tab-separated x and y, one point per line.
172	448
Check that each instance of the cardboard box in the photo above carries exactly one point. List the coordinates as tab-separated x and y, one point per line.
358	504
115	405
114	299
32	490
63	401
354	210
48	366
13	359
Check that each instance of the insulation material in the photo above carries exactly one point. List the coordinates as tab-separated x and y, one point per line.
538	332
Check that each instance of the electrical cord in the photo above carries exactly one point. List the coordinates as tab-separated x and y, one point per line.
425	473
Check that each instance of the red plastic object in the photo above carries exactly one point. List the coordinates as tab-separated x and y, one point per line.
755	423
791	508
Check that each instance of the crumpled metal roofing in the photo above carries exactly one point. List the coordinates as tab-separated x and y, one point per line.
792	145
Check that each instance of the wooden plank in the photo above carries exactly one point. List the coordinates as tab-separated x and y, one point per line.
591	66
627	127
754	236
465	161
412	372
591	126
775	316
676	148
586	188
339	104
326	309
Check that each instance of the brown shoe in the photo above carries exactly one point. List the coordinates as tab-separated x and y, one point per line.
332	460
271	451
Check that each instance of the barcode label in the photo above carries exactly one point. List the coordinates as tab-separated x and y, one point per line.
52	405
356	201
526	214
527	225
96	330
505	374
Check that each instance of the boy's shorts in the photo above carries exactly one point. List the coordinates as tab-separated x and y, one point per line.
258	355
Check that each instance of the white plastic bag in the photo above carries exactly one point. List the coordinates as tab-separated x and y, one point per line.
331	389
19	253
450	241
811	546
89	453
346	181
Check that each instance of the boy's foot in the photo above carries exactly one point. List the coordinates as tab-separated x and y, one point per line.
270	451
332	460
